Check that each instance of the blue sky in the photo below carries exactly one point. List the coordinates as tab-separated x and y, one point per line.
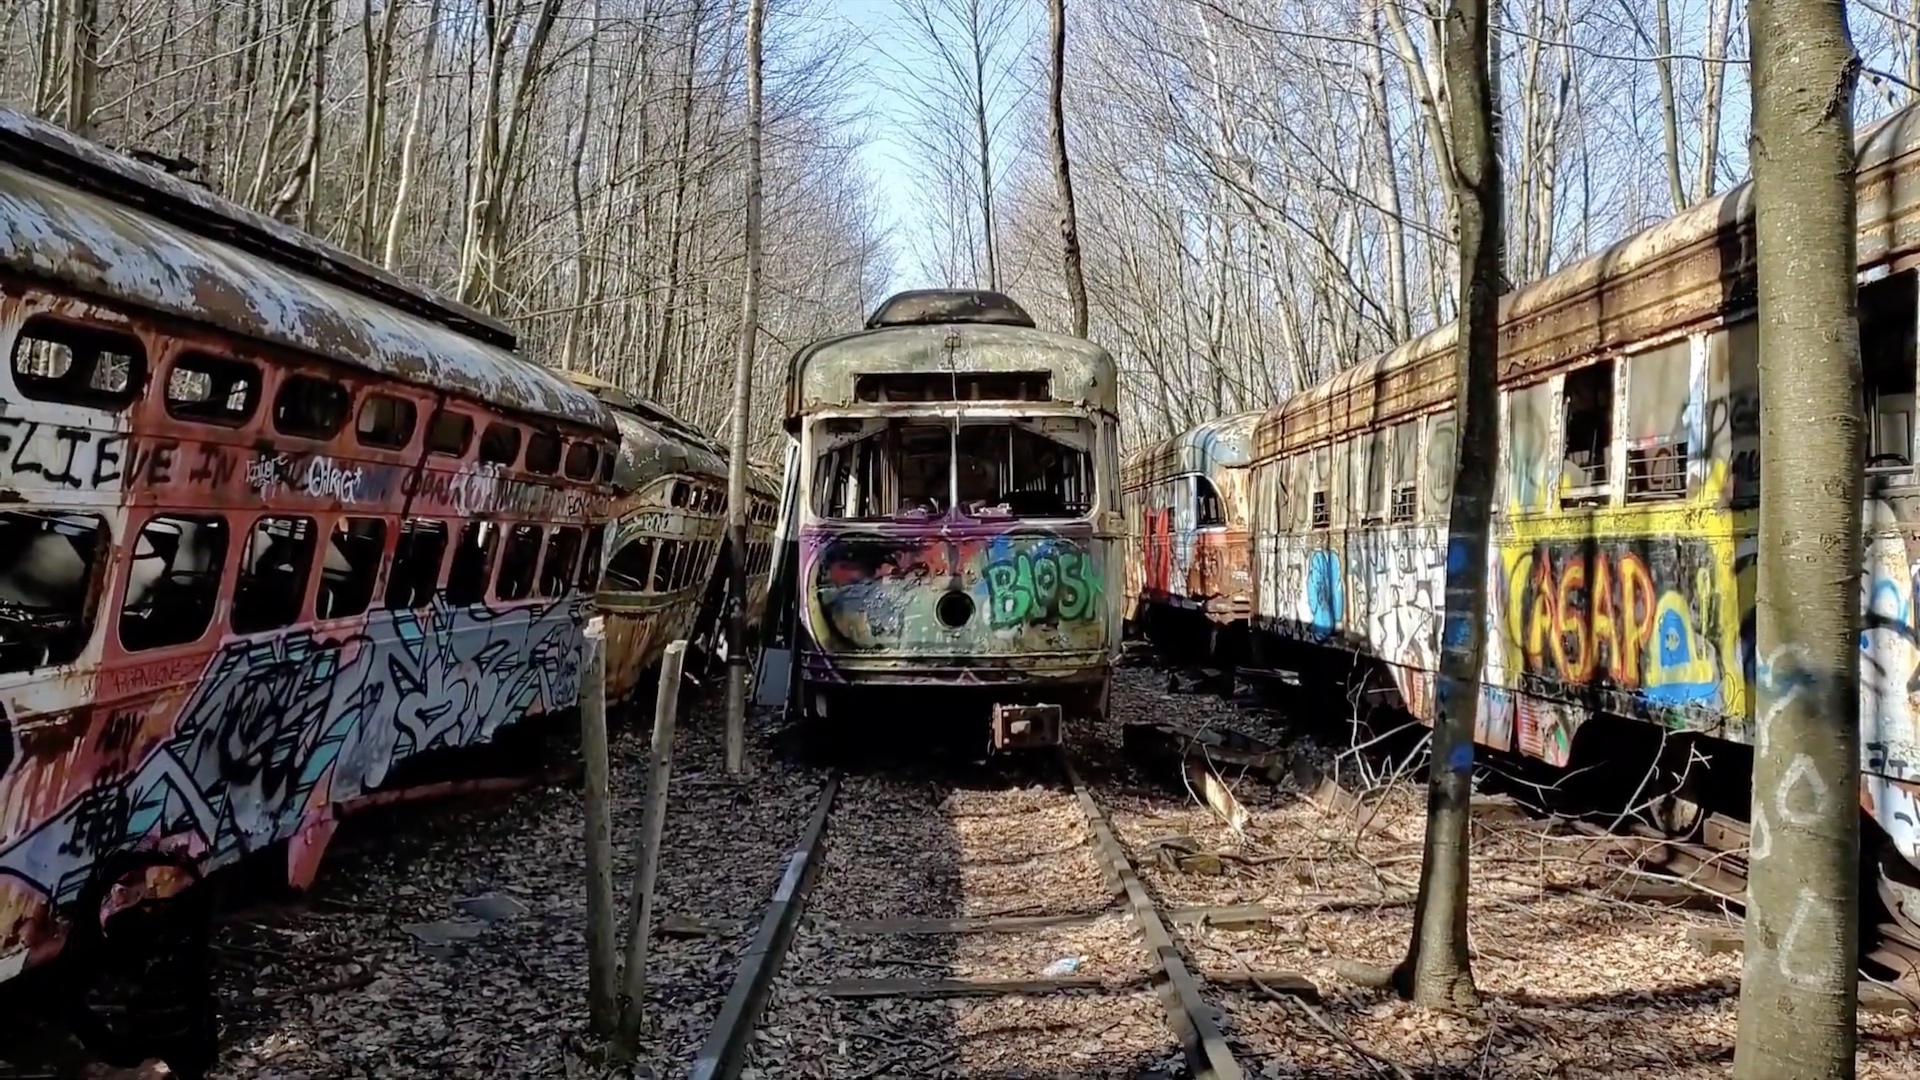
885	154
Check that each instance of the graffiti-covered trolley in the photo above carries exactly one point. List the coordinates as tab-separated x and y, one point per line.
277	525
957	515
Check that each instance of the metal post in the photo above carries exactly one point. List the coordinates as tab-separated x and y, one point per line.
602	946
633	989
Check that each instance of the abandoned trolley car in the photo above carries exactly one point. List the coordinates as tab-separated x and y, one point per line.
667	565
1622	566
957	519
276	523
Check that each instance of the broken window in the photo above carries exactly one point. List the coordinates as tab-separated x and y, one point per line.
449	433
416	563
583	460
1320	484
1887	373
866	469
1659	391
77	365
349	568
631	566
606	466
1404	472
500	444
173	581
1587	434
386	421
519	564
1207	513
45	618
556	570
1025	468
212	389
273	574
310	408
543	453
590	561
472	563
672	552
1370	477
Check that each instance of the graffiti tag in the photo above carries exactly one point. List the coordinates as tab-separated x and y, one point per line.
1055	586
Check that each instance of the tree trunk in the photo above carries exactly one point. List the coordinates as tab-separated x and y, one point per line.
1714	74
1669	113
984	140
1436	971
409	143
1062	176
742	407
83	62
1798	994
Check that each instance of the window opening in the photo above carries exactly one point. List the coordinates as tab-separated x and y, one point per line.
310	408
386	421
173	581
1887	374
1208	513
1404	470
500	444
877	469
677	495
583	460
556	570
1588	429
416	563
472	563
77	365
1659	391
665	567
519	564
45	617
590	561
606	466
632	565
273	574
449	433
1037	467
1370	473
1322	513
543	453
212	389
350	567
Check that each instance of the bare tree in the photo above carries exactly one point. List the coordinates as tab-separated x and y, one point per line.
742	406
1076	281
1436	970
1798	996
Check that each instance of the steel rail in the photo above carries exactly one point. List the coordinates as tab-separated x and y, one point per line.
724	1053
1196	1022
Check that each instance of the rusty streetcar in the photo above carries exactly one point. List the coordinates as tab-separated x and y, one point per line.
1620	636
274	525
954	501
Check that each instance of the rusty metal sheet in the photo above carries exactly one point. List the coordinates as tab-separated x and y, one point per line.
822	374
116	253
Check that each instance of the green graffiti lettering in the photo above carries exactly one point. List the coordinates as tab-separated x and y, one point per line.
1007	602
1045	588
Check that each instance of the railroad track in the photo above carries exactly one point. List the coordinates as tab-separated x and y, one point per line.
830	944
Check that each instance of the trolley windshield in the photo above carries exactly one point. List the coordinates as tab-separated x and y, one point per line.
920	468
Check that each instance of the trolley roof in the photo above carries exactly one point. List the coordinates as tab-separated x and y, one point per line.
1226	442
826	374
85	218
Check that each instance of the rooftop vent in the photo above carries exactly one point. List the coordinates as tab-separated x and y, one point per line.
918	307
